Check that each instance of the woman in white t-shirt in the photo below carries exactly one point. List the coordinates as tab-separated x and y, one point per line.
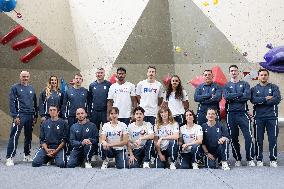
175	97
190	141
114	137
166	136
140	143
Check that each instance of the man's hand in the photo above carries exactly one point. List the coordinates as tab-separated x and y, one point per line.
210	156
86	142
43	119
222	140
17	121
268	97
50	152
132	159
186	146
106	146
162	157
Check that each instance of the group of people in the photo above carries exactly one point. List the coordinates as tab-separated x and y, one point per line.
145	124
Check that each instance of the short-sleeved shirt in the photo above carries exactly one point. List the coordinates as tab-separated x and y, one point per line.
166	130
190	135
114	134
149	93
176	105
121	96
135	132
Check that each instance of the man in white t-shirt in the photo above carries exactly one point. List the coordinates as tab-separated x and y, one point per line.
122	95
150	95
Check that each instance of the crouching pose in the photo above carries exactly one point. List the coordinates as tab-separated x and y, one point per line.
215	142
190	141
84	140
166	136
140	143
114	138
53	134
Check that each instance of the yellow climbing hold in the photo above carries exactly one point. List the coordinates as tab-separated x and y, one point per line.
178	49
205	4
215	2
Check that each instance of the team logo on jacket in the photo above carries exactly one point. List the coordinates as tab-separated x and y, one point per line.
31	92
231	86
87	130
21	90
57	127
105	87
270	91
241	85
217	130
213	89
257	92
48	126
95	88
77	131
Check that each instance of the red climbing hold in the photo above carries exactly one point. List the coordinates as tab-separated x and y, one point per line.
12	34
28	42
26	58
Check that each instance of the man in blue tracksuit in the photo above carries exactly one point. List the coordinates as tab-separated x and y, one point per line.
215	142
208	94
98	92
53	136
23	109
237	93
265	97
84	138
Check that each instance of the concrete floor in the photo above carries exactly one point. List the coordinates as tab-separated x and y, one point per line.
22	175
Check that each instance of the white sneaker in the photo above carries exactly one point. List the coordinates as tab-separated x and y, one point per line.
238	163
251	163
225	166
273	164
104	165
88	165
9	162
259	163
28	158
172	165
195	166
95	158
146	165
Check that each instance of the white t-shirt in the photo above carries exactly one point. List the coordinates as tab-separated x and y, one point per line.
176	105
114	133
166	130
121	96
149	93
135	132
190	135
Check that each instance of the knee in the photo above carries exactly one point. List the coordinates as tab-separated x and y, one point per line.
36	163
60	164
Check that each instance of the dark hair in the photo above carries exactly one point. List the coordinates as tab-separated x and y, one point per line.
193	114
208	71
233	66
121	69
115	109
262	70
55	106
138	108
153	67
78	74
179	90
213	110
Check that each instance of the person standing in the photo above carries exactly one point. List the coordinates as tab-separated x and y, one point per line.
98	92
236	94
265	98
23	109
122	95
150	95
208	95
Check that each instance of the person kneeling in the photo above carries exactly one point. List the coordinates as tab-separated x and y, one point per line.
53	136
84	140
215	142
140	141
166	136
190	141
114	137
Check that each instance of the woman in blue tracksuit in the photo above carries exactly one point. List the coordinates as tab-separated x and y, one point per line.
51	95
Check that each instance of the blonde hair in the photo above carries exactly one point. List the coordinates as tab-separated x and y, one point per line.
159	121
48	87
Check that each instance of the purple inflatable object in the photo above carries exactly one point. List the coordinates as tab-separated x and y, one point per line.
274	60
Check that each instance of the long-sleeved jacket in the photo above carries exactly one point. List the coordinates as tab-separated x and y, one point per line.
22	100
98	93
74	99
266	109
236	96
79	132
211	135
53	133
55	98
208	96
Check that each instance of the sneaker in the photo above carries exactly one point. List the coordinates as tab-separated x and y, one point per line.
238	163
104	165
88	165
273	164
95	158
27	158
146	165
9	162
251	163
225	166
172	165
195	166
259	163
